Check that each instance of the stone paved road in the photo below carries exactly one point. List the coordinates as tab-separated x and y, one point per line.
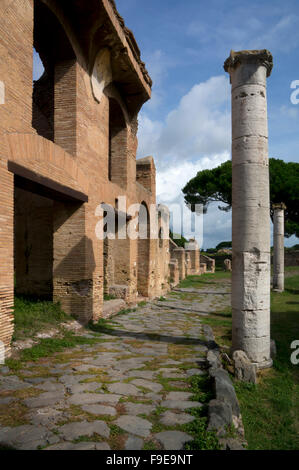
129	391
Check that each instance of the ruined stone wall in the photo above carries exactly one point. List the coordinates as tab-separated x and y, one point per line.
210	263
15	116
174	272
188	264
291	258
16	39
180	255
162	256
58	142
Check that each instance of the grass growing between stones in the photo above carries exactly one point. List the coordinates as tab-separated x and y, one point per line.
270	409
32	316
125	311
48	347
76	414
139	400
102	326
150	445
117	437
13	414
94	438
200	388
21	394
203	439
168	387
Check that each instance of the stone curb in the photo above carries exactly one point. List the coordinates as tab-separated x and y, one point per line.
223	409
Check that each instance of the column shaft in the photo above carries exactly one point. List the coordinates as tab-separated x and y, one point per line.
251	205
278	241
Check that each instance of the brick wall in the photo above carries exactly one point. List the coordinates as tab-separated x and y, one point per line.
60	138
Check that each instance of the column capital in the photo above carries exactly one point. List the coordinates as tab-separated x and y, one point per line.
279	206
259	57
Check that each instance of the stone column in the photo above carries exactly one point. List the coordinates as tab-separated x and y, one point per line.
251	204
278	241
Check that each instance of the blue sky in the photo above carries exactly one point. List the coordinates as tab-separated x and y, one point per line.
186	125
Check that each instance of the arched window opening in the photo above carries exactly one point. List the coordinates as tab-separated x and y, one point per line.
143	251
161	235
117	161
38	67
53	60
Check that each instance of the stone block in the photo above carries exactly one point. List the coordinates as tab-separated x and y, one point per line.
244	369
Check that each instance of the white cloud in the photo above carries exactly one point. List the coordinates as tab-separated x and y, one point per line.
216	224
171	180
193	137
198	127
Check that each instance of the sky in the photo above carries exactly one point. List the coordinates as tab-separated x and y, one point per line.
186	125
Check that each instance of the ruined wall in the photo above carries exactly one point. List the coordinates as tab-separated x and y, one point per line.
67	145
174	273
55	239
15	116
210	263
291	258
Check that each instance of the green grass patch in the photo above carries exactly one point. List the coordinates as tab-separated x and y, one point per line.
116	431
222	328
203	439
168	387
102	326
200	388
125	311
141	401
150	445
13	414
109	297
94	438
48	347
205	279
32	316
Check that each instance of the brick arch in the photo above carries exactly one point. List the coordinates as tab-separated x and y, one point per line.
46	160
118	144
56	9
143	255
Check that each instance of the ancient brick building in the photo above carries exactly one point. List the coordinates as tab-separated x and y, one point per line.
68	144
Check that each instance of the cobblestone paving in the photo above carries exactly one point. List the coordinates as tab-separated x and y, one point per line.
130	390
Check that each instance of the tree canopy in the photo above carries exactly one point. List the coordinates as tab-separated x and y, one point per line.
222	245
216	185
